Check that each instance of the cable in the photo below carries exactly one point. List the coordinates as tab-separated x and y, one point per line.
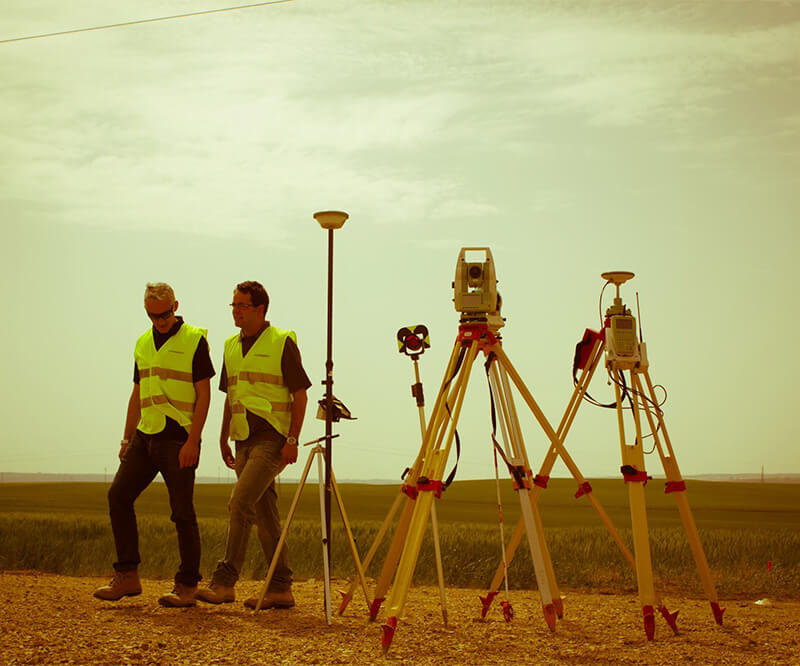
140	21
600	304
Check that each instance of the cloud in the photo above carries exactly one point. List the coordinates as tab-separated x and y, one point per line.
216	124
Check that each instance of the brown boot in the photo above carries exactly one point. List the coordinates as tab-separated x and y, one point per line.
272	600
124	584
216	594
180	597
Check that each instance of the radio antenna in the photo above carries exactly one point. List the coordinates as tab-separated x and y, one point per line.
639	317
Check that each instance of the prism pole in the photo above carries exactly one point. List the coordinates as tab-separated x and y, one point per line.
330	220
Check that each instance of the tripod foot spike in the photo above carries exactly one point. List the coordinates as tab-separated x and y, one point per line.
486	602
549	611
508	610
346	597
671	618
649	622
718	611
375	607
559	606
388	629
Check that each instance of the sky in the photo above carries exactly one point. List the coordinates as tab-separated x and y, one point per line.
570	137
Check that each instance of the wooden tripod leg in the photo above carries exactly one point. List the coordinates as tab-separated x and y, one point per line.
392	558
512	436
554	607
432	471
347	596
350	539
635	478
438	554
677	487
282	540
438	414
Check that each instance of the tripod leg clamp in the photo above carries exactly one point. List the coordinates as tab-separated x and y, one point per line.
633	475
540	481
426	485
410	491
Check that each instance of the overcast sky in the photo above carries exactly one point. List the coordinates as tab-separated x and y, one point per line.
571	137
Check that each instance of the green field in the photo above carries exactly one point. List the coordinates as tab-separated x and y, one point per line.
63	527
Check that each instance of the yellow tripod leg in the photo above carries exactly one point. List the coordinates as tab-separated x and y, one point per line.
677	487
635	478
401	531
432	470
347	596
438	555
512	435
556	449
392	557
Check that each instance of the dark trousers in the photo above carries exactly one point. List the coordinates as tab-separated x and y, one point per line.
143	459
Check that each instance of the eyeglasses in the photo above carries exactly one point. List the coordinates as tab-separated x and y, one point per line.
241	306
163	316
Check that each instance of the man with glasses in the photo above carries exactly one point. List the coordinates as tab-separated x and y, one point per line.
266	384
166	413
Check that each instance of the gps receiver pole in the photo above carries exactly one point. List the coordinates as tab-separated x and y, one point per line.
330	220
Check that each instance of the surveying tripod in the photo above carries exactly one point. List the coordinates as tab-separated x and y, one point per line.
623	352
317	452
478	303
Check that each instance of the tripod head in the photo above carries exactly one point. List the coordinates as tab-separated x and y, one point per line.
475	288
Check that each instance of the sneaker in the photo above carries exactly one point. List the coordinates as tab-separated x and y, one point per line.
272	600
180	597
216	593
124	584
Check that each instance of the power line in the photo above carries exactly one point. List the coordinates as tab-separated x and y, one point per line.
140	21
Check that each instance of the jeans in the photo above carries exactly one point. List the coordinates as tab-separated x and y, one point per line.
254	500
143	459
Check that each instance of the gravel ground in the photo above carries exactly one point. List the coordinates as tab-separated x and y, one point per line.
49	619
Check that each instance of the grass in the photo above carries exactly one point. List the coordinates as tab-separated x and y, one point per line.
64	528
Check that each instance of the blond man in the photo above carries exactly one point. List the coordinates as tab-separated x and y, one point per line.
166	413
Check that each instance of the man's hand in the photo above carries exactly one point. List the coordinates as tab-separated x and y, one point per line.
289	454
123	446
189	454
227	455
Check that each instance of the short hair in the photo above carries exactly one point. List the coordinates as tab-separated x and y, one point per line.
258	295
160	291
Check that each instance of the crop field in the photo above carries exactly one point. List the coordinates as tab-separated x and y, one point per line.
63	528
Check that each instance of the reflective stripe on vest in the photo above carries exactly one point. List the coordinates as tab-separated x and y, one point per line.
255	382
165	379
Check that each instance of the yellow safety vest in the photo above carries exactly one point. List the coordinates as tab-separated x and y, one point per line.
165	378
255	382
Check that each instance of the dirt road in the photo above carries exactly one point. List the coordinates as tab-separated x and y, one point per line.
49	619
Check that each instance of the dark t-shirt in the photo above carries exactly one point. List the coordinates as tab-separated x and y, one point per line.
294	376
202	368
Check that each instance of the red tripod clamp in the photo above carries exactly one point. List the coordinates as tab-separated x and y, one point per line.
633	475
540	481
411	491
426	485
